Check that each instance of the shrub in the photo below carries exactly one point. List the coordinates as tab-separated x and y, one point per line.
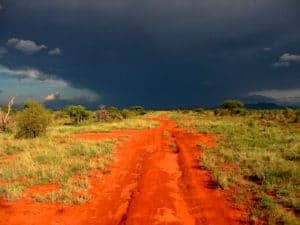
238	111
199	110
102	115
232	104
297	119
33	120
115	113
126	113
138	110
77	113
221	112
111	113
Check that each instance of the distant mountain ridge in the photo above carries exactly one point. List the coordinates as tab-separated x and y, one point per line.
268	105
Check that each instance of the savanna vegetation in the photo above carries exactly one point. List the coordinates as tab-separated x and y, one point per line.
37	148
257	155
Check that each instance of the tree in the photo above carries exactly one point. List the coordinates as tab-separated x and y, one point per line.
33	120
5	113
77	113
232	104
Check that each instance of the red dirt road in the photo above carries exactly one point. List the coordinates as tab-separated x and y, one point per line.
151	182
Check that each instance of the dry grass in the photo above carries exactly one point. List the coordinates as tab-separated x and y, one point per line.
57	159
258	155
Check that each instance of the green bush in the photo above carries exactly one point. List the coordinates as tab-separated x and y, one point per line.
232	104
115	113
239	111
77	113
33	120
138	110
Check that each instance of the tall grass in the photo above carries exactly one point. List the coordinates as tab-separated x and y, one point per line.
137	123
57	159
264	153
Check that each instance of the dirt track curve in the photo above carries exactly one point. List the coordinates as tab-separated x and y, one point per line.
151	182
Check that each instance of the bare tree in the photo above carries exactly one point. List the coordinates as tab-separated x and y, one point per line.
4	116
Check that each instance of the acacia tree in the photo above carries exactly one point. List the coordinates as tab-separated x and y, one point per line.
5	113
232	104
77	113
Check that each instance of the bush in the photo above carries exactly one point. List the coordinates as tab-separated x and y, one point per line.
126	113
77	113
33	120
102	115
115	113
222	112
138	110
297	119
238	111
199	110
232	104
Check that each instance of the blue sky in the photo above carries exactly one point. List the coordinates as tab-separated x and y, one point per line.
159	54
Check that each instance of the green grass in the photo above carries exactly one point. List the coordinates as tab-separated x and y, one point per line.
136	123
53	163
253	151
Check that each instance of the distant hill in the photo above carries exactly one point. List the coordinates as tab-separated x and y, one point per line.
262	102
265	105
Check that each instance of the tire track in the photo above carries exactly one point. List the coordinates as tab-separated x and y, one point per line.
152	182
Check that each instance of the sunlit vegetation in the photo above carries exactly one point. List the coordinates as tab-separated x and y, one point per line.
39	149
258	151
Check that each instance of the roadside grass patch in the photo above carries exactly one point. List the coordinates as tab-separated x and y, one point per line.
58	159
136	123
264	153
43	161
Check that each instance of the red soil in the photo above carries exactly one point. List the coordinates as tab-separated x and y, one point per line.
149	184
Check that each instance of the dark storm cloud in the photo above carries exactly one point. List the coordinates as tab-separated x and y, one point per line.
3	51
162	53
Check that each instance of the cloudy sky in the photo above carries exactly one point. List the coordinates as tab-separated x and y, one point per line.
171	53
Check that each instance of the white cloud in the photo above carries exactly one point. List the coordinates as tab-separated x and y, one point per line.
281	64
282	96
36	85
52	96
287	57
56	51
33	74
267	49
3	51
25	46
